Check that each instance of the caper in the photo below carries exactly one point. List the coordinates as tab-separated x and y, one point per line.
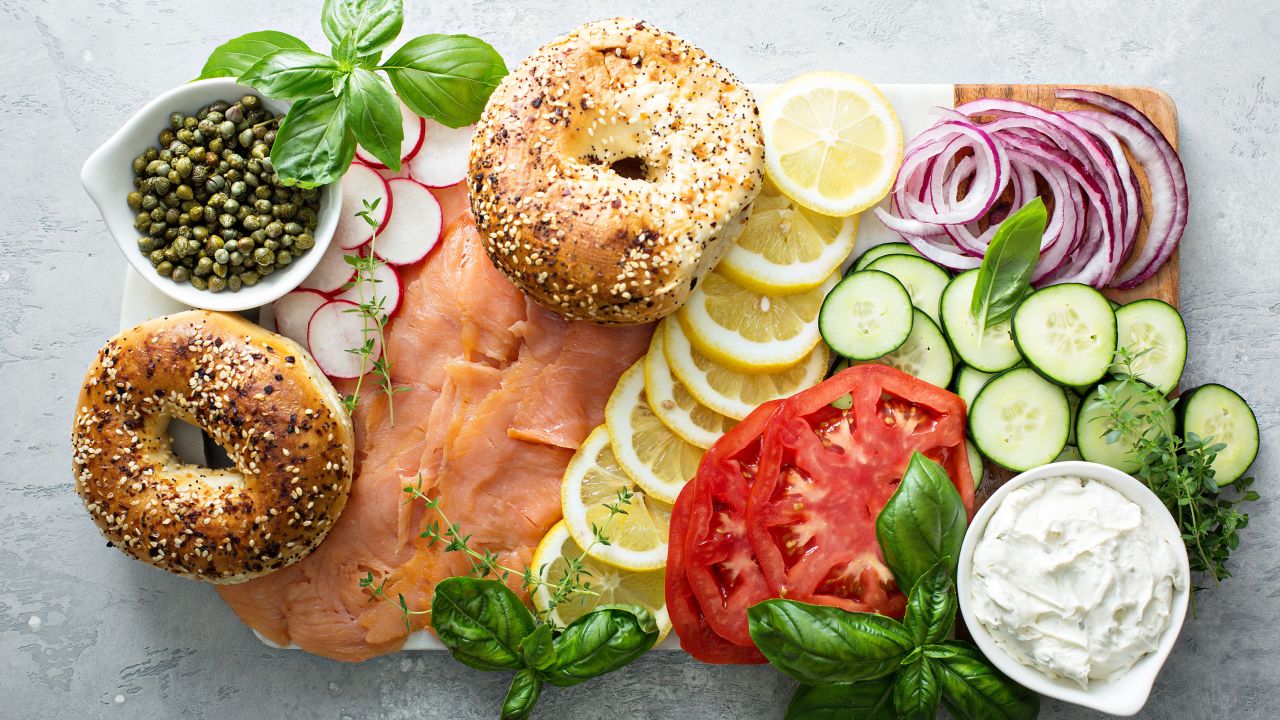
216	146
190	123
139	165
165	268
156	257
235	113
226	128
250	223
181	274
184	192
146	243
238	188
175	120
271	245
305	241
259	235
179	148
246	137
142	221
259	152
250	102
157	214
220	269
171	199
236	258
231	205
245	245
226	220
160	185
171	216
166	136
249	277
135	199
150	202
184	166
156	228
251	180
198	282
262	192
284	257
150	154
199	175
221	256
263	256
269	137
204	266
218	199
165	155
185	136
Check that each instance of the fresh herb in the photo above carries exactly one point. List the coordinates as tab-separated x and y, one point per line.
1179	470
373	309
486	626
871	666
343	98
1008	265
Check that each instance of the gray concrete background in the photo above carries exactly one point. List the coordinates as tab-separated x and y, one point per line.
86	633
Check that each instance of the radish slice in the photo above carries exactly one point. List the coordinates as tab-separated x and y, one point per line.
415	228
361	183
293	312
335	330
385	286
443	159
414	130
331	273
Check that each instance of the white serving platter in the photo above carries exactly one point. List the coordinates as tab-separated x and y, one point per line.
141	301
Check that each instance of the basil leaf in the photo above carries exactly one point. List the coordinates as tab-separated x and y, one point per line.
822	645
973	690
481	622
603	640
922	523
374	116
915	689
446	77
372	24
313	146
292	74
1004	277
538	649
869	700
233	57
522	696
931	605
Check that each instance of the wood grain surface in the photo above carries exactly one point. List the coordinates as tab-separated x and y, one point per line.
1160	108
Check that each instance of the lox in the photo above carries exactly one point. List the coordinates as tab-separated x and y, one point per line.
785	504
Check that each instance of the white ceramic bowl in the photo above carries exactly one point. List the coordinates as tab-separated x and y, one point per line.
108	177
1127	694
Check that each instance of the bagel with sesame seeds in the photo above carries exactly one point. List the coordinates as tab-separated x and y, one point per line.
611	169
261	397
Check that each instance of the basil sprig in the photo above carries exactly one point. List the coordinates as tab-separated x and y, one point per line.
344	98
870	666
485	626
1008	265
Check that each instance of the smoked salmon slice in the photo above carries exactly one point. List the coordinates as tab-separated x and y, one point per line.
499	394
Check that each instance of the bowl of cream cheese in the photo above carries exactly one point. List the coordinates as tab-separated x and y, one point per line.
1074	582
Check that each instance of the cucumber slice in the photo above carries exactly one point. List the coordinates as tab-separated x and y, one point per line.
995	350
975	463
1067	333
1070	452
878	251
1152	330
1219	415
923	280
925	354
1093	424
866	315
1019	420
969	380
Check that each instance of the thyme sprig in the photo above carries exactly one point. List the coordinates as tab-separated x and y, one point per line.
485	563
1178	469
373	309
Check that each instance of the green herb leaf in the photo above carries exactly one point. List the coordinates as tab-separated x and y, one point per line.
446	77
869	700
931	605
293	74
313	146
922	523
821	645
916	693
481	622
538	648
372	24
603	640
374	116
973	690
234	57
1005	275
522	696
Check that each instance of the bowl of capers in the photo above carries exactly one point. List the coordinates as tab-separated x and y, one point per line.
189	193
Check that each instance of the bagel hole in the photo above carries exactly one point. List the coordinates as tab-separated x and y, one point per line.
631	168
193	447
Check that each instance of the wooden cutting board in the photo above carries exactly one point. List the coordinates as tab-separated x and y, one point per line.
1160	108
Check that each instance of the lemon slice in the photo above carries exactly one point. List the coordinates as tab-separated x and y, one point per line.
658	460
727	391
613	585
832	142
679	410
749	331
638	536
786	248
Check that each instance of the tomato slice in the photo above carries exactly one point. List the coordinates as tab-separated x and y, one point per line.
811	516
696	636
719	562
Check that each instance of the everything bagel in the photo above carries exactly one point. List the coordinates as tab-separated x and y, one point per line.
259	396
607	166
